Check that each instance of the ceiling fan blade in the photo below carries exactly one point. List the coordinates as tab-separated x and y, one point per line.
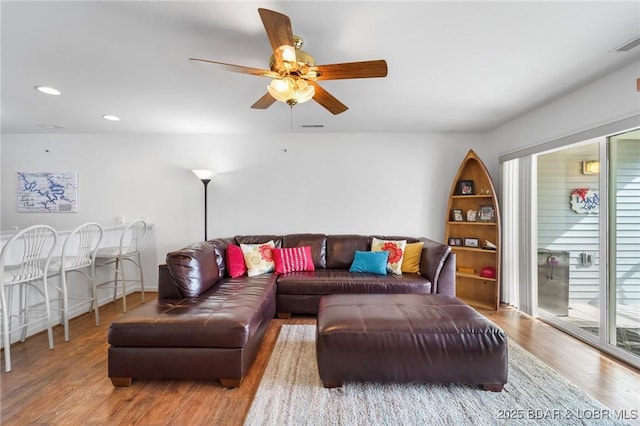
364	69
278	27
327	100
239	68
264	102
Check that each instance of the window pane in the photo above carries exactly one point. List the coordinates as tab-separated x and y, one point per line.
624	154
568	236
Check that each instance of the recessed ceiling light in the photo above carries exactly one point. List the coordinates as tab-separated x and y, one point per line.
48	90
111	117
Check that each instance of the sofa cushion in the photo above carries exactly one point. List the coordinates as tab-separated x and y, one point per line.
220	249
434	250
370	262
395	248
223	317
258	257
318	243
333	281
235	261
341	249
193	268
396	237
257	239
293	259
412	254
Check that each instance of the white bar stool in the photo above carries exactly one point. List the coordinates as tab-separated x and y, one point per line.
114	258
78	253
37	244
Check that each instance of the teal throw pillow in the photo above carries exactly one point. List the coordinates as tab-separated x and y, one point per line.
373	262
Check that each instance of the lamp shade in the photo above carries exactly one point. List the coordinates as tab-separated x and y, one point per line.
291	91
203	173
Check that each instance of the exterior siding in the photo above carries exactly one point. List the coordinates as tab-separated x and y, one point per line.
562	229
627	183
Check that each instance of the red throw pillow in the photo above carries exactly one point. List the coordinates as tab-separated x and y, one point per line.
235	261
293	259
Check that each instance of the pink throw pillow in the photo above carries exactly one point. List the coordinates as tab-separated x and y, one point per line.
293	259
235	261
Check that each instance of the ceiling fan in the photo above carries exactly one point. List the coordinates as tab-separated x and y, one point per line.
294	71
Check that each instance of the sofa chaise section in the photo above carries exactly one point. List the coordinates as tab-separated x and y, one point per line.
213	335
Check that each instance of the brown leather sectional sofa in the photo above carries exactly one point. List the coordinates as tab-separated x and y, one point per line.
207	325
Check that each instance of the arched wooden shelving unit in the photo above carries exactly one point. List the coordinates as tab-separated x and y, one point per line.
470	286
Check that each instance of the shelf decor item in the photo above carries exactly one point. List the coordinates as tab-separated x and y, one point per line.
471	242
472	215
456	215
472	192
488	272
465	187
488	245
486	214
453	242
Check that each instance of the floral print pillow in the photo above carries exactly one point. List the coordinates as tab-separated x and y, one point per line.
258	257
396	253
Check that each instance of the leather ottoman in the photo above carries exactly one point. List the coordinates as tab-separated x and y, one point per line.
408	338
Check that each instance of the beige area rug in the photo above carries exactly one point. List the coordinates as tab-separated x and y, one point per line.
291	393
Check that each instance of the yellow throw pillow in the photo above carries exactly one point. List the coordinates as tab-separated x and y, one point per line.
412	254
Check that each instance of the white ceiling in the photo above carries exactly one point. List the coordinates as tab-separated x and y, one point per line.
453	66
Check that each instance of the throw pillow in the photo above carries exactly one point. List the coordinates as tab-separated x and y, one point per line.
412	255
373	262
258	258
396	253
293	259
235	261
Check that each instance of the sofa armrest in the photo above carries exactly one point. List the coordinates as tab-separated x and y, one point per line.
193	269
167	288
447	279
434	258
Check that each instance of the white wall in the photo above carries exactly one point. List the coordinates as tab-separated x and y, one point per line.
613	97
330	183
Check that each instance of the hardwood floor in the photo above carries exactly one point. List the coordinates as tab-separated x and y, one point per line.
69	384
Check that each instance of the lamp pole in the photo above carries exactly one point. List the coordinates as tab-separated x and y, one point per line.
205	182
205	176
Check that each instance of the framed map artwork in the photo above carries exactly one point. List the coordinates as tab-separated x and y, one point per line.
44	192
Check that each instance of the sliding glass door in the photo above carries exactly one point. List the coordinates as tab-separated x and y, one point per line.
588	241
624	210
568	241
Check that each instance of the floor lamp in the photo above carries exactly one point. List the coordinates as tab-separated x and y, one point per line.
205	176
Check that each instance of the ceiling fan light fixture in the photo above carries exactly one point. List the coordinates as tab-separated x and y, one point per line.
286	53
291	91
284	60
294	72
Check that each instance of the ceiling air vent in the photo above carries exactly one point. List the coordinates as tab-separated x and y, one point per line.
629	45
311	126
